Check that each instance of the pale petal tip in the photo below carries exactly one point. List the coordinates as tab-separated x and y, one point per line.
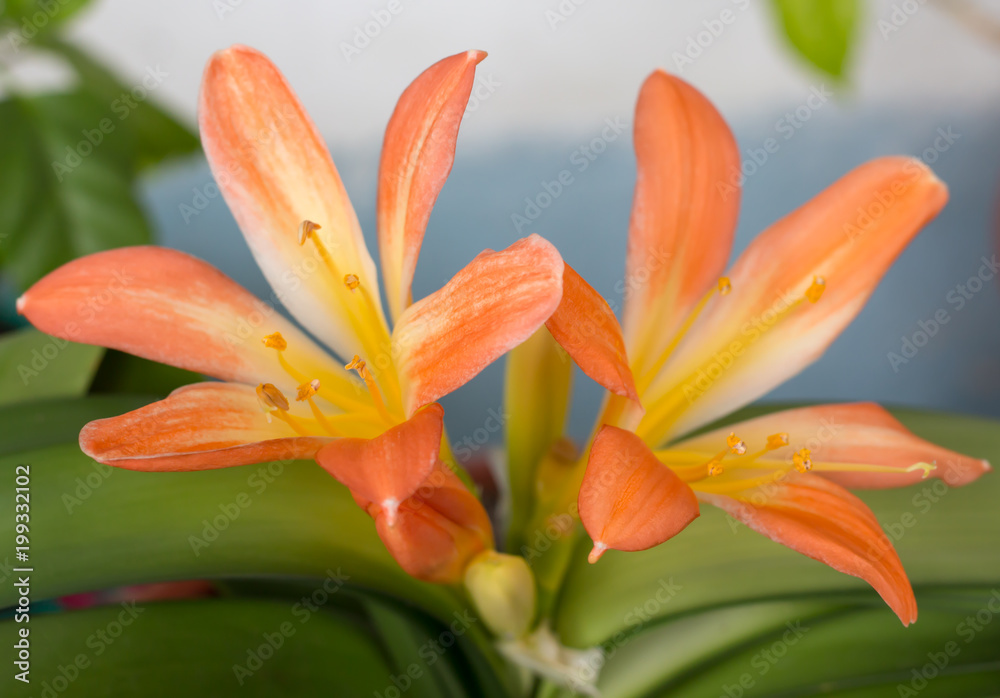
986	466
20	303
390	507
476	55
595	554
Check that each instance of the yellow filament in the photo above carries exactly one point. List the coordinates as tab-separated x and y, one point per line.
358	365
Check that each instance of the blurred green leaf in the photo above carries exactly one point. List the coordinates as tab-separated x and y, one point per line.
195	648
822	31
945	537
155	133
66	184
36	17
35	366
123	373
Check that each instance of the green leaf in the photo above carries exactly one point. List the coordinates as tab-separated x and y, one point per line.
61	195
123	373
822	31
156	134
945	536
34	17
35	366
194	648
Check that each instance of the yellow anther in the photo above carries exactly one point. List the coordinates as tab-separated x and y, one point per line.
351	281
724	286
735	444
275	341
306	229
777	441
358	365
815	291
307	390
926	467
802	461
271	398
715	468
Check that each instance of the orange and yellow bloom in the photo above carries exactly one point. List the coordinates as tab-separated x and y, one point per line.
370	419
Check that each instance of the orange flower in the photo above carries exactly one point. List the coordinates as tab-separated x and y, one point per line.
701	345
283	395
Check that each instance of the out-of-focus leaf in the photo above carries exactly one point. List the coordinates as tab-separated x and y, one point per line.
156	134
123	373
66	184
945	537
35	366
36	17
822	31
200	648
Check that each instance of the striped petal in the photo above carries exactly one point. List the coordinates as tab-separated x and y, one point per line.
687	198
437	531
588	330
628	499
197	427
417	155
820	519
170	307
389	468
496	302
857	445
778	319
275	172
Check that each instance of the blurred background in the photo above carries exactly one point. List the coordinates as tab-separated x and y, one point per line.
916	77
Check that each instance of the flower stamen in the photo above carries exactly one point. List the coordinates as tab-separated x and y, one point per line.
357	364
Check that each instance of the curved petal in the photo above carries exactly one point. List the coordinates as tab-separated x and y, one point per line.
588	330
778	319
197	427
496	302
275	172
417	154
389	468
822	520
437	531
858	445
628	499
687	198
170	307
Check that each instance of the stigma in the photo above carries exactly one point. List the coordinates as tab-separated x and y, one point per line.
306	230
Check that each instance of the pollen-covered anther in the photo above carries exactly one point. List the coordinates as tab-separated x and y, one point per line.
815	290
724	286
777	441
306	229
351	281
307	390
271	398
357	364
715	468
802	460
735	444
275	341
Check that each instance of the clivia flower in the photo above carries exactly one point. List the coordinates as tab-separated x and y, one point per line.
370	419
698	344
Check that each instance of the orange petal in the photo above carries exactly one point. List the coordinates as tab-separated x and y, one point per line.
197	427
170	307
390	467
275	172
417	155
765	331
496	302
628	499
824	521
437	531
687	198
844	439
588	330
